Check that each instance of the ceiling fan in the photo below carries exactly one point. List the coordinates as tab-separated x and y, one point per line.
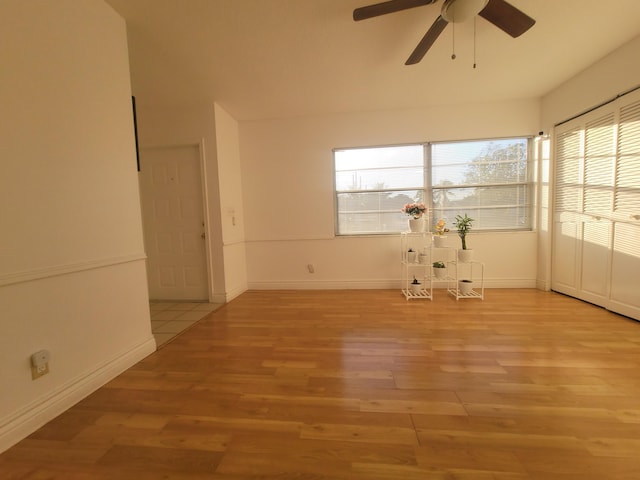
502	14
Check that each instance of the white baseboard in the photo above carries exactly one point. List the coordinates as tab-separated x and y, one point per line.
236	292
218	298
326	285
28	419
377	284
543	285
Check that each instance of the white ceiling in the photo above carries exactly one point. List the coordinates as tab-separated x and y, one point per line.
282	58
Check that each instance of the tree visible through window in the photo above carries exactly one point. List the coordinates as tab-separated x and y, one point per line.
489	180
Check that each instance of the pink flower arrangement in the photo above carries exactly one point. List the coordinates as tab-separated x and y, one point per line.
415	210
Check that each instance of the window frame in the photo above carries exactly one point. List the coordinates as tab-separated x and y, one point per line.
528	183
336	215
428	189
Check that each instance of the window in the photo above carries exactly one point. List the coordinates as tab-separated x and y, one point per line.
372	185
490	180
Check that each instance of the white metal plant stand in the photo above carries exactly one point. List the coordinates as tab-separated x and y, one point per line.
416	264
473	271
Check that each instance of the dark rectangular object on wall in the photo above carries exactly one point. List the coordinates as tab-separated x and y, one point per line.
135	131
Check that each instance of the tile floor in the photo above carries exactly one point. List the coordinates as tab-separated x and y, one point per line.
169	319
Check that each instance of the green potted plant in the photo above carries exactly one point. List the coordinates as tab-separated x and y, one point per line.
463	226
439	270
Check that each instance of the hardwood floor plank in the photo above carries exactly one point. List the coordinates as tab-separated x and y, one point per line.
378	471
363	385
161	460
572	466
360	433
56	452
501	441
478	459
343	451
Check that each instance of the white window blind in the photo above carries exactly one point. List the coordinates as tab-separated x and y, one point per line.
489	180
372	185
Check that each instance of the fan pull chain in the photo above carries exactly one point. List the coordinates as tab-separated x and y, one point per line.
453	40
474	42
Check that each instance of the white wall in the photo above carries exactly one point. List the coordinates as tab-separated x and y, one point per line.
614	74
287	180
72	270
232	209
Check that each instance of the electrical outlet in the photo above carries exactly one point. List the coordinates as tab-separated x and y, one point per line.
40	364
37	372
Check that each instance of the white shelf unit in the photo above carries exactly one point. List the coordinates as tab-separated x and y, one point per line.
418	267
473	271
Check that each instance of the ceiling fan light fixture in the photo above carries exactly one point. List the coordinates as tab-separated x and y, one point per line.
456	11
498	12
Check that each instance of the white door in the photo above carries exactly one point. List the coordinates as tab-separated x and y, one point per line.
625	293
596	249
173	222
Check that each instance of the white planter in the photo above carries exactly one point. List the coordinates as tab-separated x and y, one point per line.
440	273
465	287
412	257
415	288
423	258
465	255
416	224
439	241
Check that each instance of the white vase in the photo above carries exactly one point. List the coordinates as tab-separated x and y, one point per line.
465	287
465	256
416	224
439	241
440	273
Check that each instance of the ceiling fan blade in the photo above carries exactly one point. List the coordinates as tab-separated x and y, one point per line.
507	17
425	44
383	8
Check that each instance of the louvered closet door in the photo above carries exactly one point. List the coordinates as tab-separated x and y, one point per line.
599	168
568	205
625	273
596	236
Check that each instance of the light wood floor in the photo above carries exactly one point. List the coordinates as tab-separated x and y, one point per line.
356	385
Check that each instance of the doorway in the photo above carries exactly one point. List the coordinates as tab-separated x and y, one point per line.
173	223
